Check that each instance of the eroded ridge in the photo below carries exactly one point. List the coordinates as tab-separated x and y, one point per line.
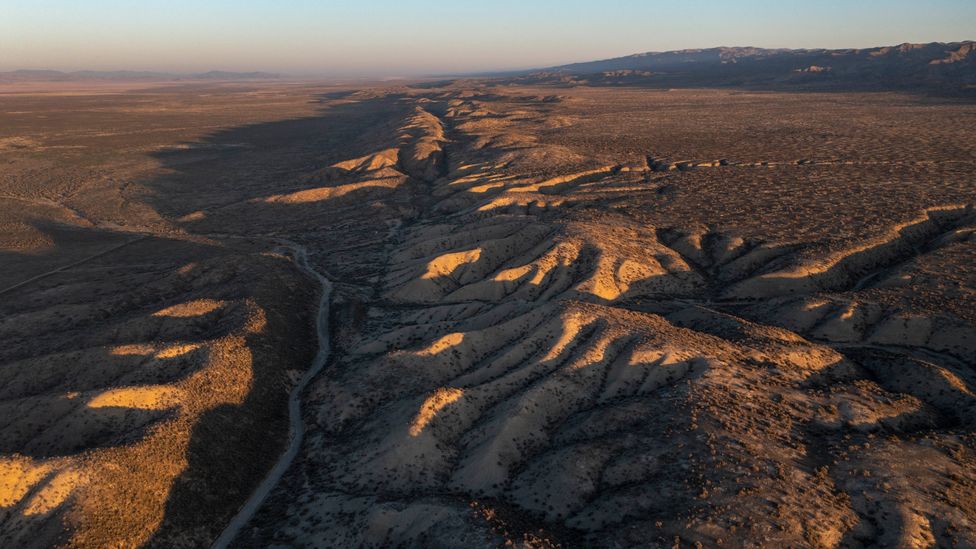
538	364
560	316
109	414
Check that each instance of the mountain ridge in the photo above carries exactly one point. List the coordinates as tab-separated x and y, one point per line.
943	66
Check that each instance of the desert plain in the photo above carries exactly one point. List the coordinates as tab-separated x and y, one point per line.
539	315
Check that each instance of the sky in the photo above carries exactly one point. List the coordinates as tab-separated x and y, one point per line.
422	37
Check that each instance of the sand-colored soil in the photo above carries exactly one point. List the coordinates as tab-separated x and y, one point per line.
559	317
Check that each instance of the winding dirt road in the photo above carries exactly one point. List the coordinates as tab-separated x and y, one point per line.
296	424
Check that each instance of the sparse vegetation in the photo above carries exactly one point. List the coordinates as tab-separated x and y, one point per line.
561	316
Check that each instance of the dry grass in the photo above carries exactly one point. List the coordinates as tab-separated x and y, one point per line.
562	316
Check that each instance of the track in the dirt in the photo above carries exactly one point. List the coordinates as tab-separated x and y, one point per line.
296	423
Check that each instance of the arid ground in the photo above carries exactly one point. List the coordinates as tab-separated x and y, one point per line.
554	316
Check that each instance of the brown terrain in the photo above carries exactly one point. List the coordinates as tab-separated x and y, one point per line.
553	316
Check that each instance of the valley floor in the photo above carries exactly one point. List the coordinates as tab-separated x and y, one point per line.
558	317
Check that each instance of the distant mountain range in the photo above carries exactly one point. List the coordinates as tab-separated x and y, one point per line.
936	66
146	76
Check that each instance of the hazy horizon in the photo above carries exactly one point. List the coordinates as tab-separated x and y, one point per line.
379	38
